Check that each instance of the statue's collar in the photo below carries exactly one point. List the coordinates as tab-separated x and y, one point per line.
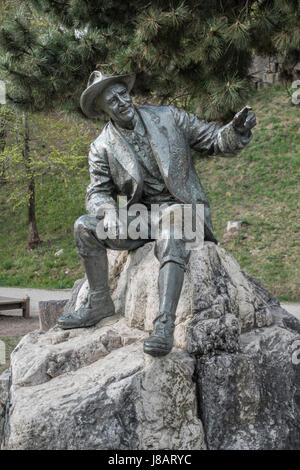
138	128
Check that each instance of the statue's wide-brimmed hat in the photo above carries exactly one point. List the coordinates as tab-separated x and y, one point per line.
96	84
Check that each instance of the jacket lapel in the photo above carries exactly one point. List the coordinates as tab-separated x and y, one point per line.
158	137
172	163
123	153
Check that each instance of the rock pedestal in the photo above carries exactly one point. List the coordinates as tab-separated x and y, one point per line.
230	382
49	312
4	391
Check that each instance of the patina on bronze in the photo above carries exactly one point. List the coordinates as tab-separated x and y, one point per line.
144	153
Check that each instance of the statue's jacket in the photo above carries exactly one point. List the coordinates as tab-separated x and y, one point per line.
172	133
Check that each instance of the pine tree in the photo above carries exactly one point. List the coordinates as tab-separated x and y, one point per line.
191	51
26	138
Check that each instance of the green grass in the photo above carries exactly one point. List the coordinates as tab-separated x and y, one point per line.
259	187
57	209
10	344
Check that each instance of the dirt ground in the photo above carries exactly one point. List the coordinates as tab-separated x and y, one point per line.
13	324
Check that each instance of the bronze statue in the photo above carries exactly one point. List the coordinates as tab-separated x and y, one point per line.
144	153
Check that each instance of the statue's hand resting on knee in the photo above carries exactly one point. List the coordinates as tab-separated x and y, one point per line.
113	225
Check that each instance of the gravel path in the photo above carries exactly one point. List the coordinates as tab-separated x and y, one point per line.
35	295
13	324
292	308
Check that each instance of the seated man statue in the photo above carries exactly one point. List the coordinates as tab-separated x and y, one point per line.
144	153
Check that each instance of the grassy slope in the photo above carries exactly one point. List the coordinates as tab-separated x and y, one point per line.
57	209
259	187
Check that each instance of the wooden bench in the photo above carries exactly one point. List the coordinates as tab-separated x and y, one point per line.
7	303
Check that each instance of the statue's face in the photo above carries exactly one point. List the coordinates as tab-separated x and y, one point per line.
116	102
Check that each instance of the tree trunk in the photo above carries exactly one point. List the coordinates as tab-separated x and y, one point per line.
33	235
3	136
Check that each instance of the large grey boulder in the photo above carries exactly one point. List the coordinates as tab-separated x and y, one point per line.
251	399
217	303
229	383
94	388
4	393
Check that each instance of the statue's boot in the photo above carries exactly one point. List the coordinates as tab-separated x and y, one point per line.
98	303
170	281
160	342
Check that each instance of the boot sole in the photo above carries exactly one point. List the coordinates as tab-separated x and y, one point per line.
156	351
85	325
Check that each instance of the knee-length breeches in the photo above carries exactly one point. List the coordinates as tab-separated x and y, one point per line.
168	247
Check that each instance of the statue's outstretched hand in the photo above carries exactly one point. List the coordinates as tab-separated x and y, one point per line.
244	121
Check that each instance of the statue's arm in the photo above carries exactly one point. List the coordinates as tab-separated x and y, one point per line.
209	138
101	192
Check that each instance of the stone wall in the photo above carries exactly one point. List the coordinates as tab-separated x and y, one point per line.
265	71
